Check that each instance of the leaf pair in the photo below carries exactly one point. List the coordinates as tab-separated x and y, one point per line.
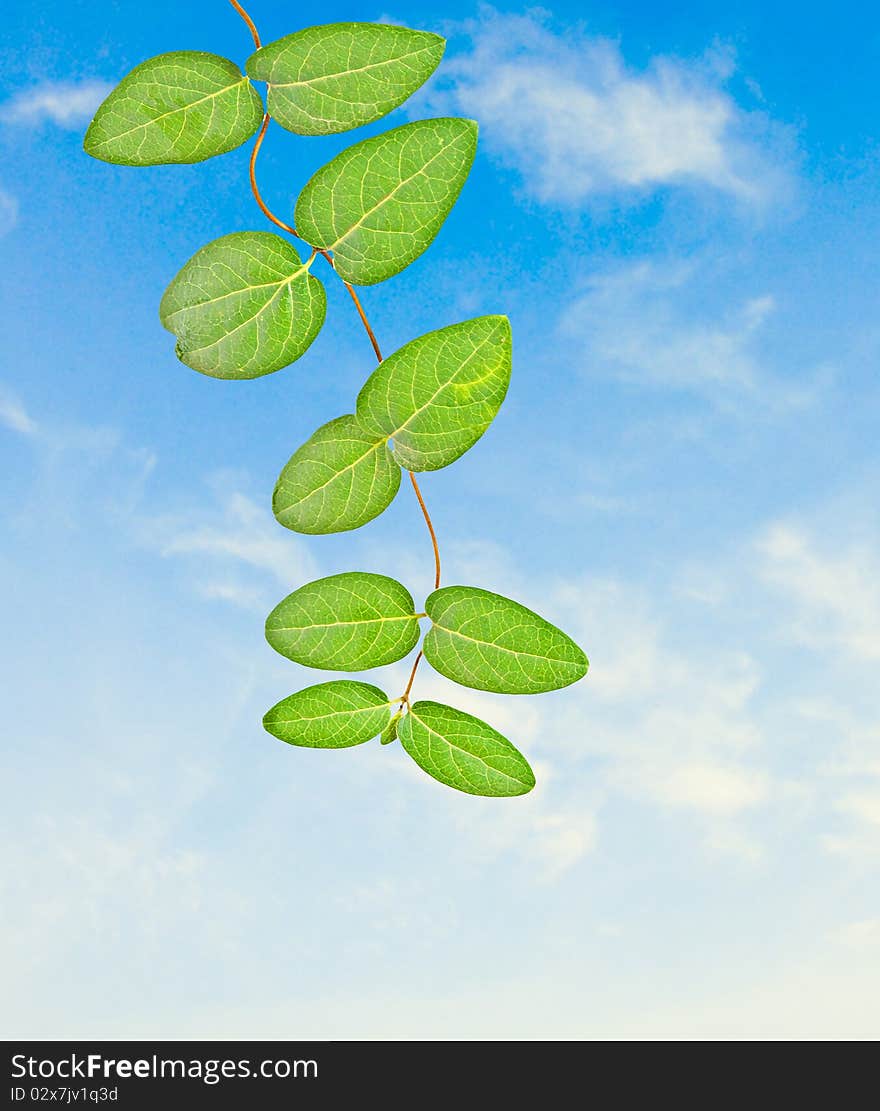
455	748
188	105
358	620
421	409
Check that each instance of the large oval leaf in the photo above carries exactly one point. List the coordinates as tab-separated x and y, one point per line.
347	622
379	204
330	715
464	752
180	107
437	395
328	79
339	479
243	306
484	640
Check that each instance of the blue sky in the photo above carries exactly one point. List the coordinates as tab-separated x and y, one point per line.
679	211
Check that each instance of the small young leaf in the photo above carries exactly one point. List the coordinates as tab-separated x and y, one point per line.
348	622
328	79
379	204
389	733
180	107
339	714
437	395
338	480
484	640
464	752
243	306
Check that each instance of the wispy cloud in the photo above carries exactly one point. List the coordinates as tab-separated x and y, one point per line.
68	104
575	119
14	415
674	728
834	595
236	545
865	932
647	324
689	709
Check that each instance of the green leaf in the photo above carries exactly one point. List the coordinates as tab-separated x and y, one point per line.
389	734
330	715
243	306
437	395
347	622
328	79
378	205
338	480
180	107
483	640
464	752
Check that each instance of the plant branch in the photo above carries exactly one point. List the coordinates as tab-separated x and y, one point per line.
253	30
404	698
357	304
264	208
427	517
278	222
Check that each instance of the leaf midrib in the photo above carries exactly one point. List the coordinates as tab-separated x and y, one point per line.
389	196
311	81
289	280
336	474
335	714
286	284
501	647
345	624
172	112
458	748
450	382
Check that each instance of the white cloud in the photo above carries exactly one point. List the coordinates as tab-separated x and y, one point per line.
865	932
235	544
575	119
14	415
864	805
668	725
644	323
677	716
672	727
69	104
712	788
835	596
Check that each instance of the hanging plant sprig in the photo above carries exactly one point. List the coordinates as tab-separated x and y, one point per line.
249	304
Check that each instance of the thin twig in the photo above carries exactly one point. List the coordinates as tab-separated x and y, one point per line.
264	208
427	517
404	698
248	21
270	215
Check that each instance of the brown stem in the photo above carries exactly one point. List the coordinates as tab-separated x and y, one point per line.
404	698
248	21
270	215
360	310
264	208
427	517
